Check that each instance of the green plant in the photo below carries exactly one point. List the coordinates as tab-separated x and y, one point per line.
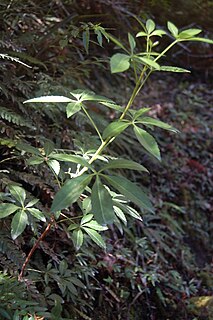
85	177
91	181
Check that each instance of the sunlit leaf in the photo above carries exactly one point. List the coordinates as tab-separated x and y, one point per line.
6	209
158	33
150	63
18	193
132	42
173	69
86	218
119	62
96	237
141	34
147	141
70	192
54	165
115	128
102	207
95	225
150	25
157	123
72	108
18	224
189	33
78	238
49	99
172	28
35	160
37	214
71	158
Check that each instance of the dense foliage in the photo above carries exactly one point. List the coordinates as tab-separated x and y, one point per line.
151	267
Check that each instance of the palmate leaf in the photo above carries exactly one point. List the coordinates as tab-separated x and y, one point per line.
19	223
70	192
147	141
102	206
7	208
130	190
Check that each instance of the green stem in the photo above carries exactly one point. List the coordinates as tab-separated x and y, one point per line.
140	83
92	122
165	50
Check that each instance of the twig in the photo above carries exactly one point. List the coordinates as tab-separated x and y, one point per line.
35	246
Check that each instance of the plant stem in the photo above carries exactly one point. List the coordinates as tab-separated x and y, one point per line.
92	122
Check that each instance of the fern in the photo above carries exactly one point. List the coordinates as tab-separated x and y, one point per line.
11	256
13	59
13	117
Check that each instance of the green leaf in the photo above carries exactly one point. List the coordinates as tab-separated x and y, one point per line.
70	192
141	34
150	25
18	224
86	205
78	238
123	164
173	69
189	33
96	237
102	206
48	148
86	218
95	225
157	123
130	190
112	106
18	193
147	141
132	42
35	160
119	62
119	213
158	33
28	148
173	29
139	112
150	63
114	40
49	99
199	39
6	209
54	165
86	37
32	203
115	128
71	158
72	108
37	214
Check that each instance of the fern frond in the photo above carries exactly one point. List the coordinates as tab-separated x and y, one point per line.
13	117
13	59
